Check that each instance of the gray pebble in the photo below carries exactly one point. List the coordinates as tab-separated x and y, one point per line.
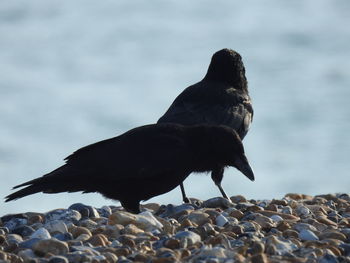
307	235
41	233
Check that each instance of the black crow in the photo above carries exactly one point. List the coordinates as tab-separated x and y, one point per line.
142	163
221	98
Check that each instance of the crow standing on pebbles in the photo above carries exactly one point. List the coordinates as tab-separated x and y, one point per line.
221	98
142	163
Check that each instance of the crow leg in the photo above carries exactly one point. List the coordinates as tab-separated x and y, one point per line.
216	175
132	206
184	197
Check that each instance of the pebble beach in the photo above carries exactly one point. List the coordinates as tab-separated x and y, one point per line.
296	228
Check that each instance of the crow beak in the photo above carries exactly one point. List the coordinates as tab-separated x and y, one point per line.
243	165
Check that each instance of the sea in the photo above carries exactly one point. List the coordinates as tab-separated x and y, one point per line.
77	72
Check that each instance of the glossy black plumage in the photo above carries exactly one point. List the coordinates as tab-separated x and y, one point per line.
221	98
142	163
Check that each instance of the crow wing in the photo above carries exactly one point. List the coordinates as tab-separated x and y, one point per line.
211	103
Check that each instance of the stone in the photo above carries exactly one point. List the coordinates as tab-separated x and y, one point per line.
14	223
52	246
79	230
14	238
217	202
23	230
104	211
198	217
333	235
41	233
238	199
29	243
172	243
187	238
145	220
175	211
63	237
98	240
88	223
27	255
306	234
264	221
303	226
132	230
281	245
55	226
276	218
66	215
221	220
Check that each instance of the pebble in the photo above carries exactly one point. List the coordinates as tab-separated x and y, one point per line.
296	228
66	215
221	220
41	233
52	246
56	226
306	234
187	238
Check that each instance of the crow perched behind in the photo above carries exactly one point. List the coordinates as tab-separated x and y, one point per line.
142	163
221	98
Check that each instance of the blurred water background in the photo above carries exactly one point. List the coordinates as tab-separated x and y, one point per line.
76	72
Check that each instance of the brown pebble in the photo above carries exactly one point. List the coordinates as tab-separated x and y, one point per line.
122	252
332	235
98	240
325	220
35	219
259	258
237	214
238	230
272	207
142	258
238	199
172	243
283	225
79	230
